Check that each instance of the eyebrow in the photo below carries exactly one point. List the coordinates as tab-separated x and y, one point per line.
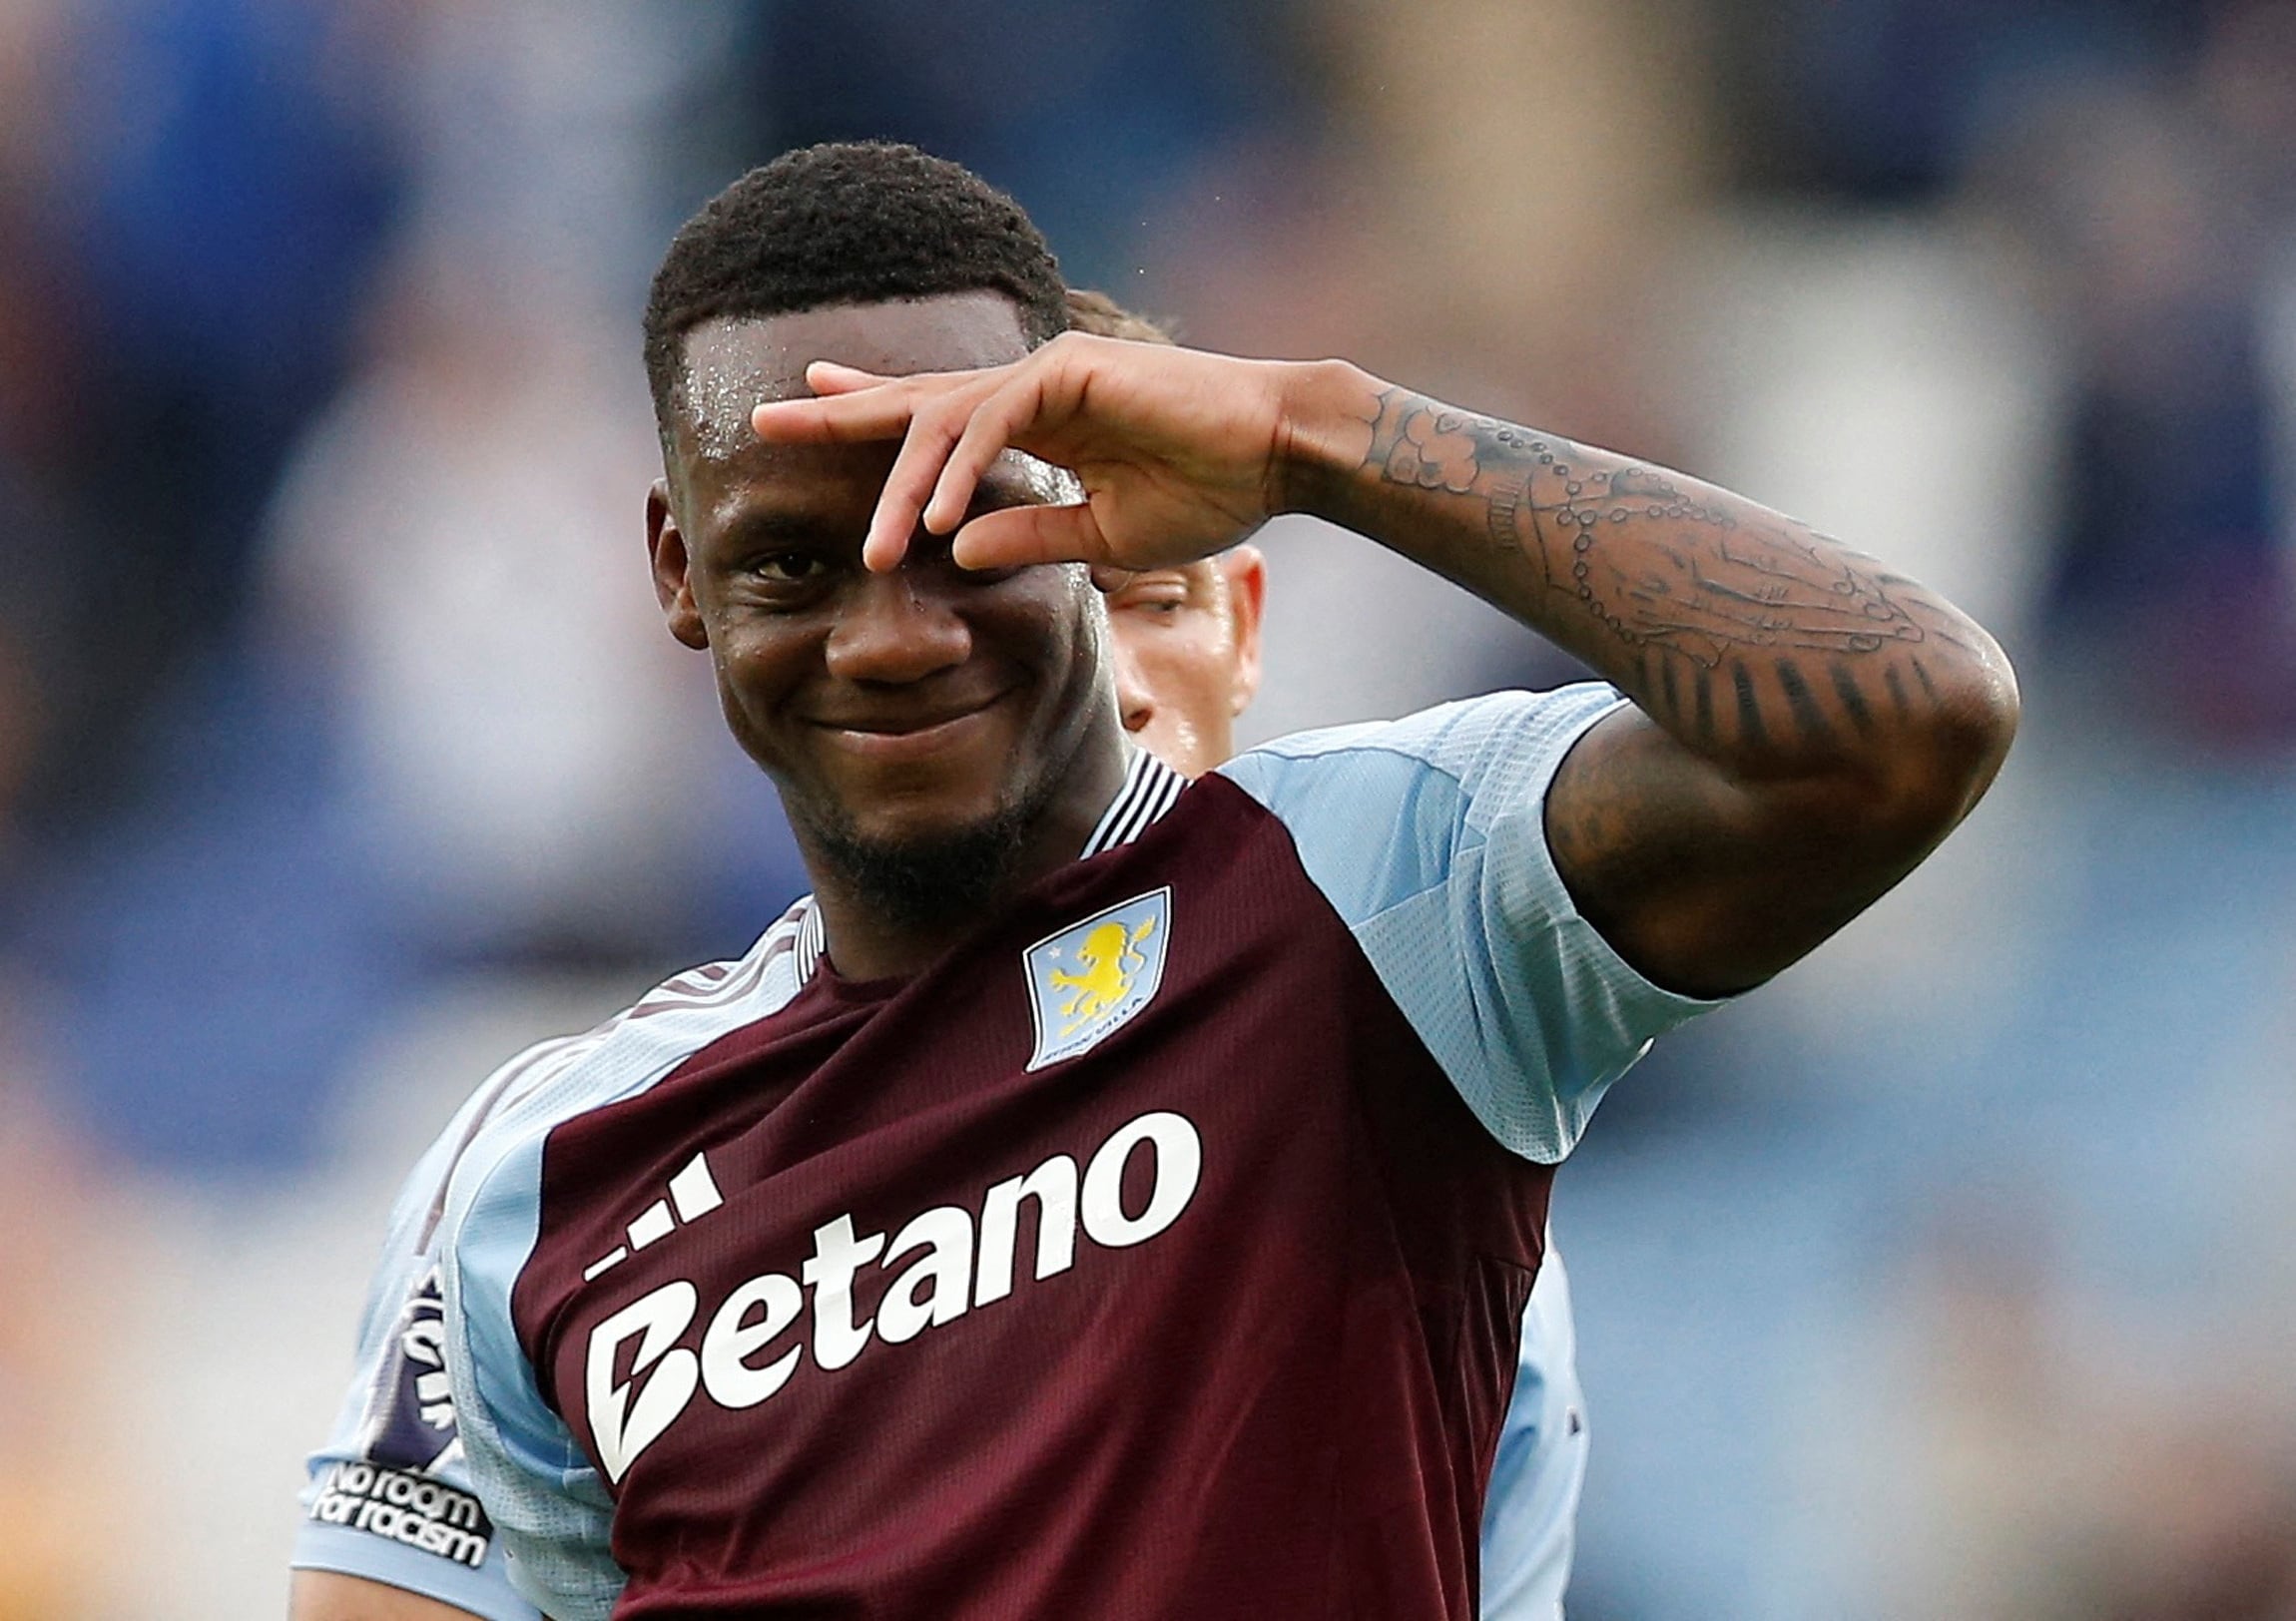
1187	574
784	526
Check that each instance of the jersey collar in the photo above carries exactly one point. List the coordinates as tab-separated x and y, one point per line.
1150	788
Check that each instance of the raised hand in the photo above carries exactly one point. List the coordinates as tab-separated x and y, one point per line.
1180	453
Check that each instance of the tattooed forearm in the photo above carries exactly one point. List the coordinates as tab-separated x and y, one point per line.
1811	722
1669	586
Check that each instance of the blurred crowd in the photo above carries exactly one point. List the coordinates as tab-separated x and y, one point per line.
340	752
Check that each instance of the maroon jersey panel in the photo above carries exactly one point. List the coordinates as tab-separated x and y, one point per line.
1215	1317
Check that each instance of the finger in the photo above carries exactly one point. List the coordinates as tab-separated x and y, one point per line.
901	505
988	431
850	405
1018	536
878	411
833	377
1108	579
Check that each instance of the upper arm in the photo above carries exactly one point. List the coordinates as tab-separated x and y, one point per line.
551	1511
389	1505
330	1595
1426	836
1708	883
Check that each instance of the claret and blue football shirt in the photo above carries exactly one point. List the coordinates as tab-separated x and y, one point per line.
1160	1252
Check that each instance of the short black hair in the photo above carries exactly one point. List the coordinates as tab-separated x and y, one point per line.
856	222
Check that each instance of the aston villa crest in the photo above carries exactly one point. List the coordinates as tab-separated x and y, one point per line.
1088	981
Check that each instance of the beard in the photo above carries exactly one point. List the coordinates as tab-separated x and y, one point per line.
936	881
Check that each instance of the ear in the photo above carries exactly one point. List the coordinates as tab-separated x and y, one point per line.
673	569
1246	575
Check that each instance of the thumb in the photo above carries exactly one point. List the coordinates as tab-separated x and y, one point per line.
1018	536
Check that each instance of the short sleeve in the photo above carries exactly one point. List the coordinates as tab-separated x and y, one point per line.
1428	835
389	1497
550	1510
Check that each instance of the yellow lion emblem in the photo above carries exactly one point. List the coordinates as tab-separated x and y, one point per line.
1112	958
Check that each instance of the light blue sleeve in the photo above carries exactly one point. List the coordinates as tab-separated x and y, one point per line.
389	1497
1531	1517
550	1510
1428	835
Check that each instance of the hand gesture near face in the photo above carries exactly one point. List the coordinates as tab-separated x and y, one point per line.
1180	453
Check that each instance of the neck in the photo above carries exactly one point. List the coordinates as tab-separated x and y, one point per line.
869	941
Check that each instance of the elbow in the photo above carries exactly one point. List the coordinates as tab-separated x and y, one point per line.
1946	756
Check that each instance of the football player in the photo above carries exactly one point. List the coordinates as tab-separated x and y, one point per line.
1185	644
1107	1195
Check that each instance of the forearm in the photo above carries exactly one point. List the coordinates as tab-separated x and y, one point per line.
1764	646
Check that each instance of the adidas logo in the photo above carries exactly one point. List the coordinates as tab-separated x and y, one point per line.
693	1195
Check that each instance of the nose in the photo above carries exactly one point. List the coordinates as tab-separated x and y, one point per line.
896	628
1134	701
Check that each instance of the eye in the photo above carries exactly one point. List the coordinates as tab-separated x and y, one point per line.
790	568
1160	599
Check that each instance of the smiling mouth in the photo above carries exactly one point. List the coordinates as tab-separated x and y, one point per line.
906	738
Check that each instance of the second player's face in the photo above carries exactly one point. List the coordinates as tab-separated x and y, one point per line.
1187	656
895	709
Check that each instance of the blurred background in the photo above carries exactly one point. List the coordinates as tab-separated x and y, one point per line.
341	753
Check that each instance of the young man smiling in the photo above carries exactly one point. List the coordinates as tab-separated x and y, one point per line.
1100	1199
1184	647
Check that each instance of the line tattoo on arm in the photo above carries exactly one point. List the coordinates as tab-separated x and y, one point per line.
1648	560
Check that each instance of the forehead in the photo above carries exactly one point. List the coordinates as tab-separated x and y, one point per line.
733	364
